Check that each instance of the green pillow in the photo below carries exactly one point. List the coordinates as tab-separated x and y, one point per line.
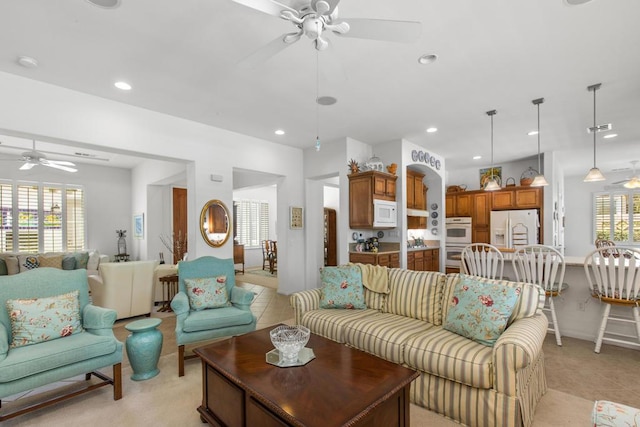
342	287
82	258
69	262
479	309
207	292
36	320
3	267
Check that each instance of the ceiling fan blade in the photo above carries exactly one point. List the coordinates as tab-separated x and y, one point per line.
383	29
27	166
61	162
265	52
267	6
58	165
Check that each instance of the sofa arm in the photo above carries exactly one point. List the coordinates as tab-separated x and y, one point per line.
305	301
180	304
98	320
4	343
242	298
517	349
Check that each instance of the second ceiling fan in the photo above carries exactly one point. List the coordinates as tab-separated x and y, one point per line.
313	18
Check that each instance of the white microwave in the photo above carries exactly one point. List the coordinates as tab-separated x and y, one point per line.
385	213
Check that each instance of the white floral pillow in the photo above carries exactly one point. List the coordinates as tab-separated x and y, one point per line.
207	292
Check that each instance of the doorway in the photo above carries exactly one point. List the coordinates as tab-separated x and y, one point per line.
179	222
330	240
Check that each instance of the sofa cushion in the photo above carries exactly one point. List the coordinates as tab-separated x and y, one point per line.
374	300
207	292
13	265
342	287
3	267
82	258
383	334
451	356
479	310
34	320
94	260
216	318
330	323
28	262
25	361
415	294
68	262
54	261
530	302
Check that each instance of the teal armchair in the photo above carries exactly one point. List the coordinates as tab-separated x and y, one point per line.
201	325
30	366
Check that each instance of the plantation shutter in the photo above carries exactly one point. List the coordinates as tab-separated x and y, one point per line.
75	219
6	215
252	222
52	224
27	218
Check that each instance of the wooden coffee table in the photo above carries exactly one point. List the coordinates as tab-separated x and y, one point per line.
342	386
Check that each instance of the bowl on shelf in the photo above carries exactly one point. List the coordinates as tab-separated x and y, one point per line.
289	340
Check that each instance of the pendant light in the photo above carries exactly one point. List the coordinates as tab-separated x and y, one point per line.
594	174
539	180
491	184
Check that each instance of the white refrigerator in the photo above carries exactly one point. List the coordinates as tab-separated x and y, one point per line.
514	229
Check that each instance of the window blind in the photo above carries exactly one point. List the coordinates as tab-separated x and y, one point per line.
252	222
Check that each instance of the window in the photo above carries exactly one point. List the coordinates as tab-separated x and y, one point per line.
617	216
252	222
50	218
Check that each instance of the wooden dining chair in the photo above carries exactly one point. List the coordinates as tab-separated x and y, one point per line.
482	259
614	279
544	266
266	246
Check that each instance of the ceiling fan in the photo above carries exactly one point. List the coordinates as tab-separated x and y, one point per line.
314	18
634	181
33	158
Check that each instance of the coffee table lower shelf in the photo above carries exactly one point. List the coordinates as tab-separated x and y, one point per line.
341	387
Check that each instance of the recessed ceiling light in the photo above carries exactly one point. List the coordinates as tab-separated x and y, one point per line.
427	59
326	100
27	62
122	85
106	4
279	132
477	157
432	130
611	135
533	132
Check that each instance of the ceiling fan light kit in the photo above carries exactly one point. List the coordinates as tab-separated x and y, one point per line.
594	174
539	180
33	158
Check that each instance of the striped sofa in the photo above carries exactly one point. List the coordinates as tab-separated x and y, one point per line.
471	383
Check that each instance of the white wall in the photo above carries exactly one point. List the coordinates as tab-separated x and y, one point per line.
42	109
108	199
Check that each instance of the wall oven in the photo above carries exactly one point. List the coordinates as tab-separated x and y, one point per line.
453	255
458	231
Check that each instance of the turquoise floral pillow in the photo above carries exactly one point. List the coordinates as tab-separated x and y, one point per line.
479	310
342	287
207	292
36	320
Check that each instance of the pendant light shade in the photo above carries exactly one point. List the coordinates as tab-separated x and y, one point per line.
491	184
594	174
539	180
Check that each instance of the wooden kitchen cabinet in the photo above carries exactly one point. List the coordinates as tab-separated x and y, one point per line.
364	187
416	199
458	204
478	204
387	259
423	260
481	217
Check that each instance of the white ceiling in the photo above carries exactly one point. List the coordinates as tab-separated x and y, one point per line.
181	58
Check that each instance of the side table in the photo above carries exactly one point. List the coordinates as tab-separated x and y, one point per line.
169	290
143	347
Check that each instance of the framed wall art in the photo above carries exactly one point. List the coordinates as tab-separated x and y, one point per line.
296	215
138	226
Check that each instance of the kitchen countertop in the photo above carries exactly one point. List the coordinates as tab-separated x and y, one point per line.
393	251
422	248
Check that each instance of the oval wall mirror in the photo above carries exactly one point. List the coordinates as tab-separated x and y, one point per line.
215	223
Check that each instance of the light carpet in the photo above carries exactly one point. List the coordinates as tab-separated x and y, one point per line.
169	400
